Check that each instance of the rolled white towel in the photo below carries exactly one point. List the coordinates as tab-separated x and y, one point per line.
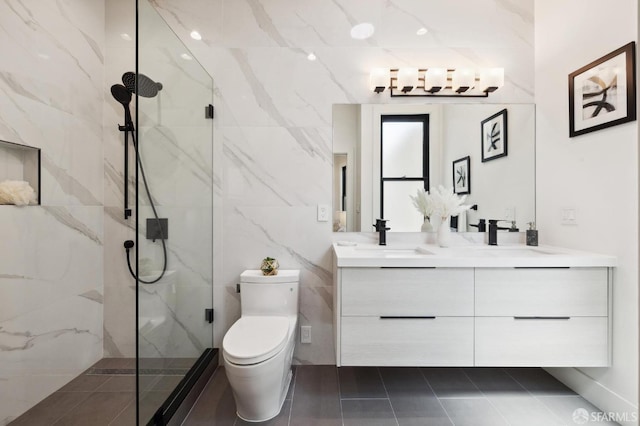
17	192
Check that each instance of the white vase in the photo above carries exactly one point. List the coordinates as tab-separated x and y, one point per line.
443	236
426	226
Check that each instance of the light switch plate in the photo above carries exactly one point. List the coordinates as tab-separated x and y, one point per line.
305	334
323	213
569	216
510	213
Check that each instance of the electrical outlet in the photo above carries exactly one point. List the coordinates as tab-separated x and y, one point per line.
323	213
305	334
569	216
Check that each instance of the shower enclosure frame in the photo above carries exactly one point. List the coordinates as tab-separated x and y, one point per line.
175	408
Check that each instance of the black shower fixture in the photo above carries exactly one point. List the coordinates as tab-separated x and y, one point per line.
122	95
146	87
143	86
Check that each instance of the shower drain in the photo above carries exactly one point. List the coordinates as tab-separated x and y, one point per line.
132	371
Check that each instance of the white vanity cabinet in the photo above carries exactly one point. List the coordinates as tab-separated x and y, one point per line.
472	316
406	316
542	317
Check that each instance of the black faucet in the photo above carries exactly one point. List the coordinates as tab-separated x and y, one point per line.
482	225
381	227
493	230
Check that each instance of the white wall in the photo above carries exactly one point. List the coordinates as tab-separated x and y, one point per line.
596	173
51	256
500	184
273	132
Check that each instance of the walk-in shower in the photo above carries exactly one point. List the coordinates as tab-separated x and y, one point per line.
170	251
98	333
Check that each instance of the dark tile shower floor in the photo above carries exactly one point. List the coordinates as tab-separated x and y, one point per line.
105	394
328	396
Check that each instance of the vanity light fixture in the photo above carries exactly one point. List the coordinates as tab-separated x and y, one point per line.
463	79
379	79
491	79
435	79
407	79
461	82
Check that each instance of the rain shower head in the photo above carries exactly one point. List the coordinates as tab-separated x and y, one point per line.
145	86
122	95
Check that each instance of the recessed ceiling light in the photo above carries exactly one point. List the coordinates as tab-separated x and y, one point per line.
186	57
422	31
125	36
311	56
362	31
196	35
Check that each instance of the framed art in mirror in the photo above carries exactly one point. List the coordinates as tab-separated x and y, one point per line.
603	93
494	136
462	176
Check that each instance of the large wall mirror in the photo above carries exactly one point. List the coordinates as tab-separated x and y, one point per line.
383	153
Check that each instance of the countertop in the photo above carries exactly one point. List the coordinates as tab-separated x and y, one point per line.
469	256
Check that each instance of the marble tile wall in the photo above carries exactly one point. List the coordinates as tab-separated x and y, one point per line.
175	144
272	133
51	256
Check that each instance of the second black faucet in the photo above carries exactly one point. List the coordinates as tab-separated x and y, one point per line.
381	228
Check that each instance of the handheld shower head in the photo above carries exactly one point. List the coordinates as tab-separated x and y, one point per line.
122	95
144	86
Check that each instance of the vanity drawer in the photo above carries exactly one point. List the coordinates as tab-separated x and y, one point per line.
440	341
573	342
407	291
541	292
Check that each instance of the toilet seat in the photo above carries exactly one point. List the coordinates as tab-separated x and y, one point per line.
253	339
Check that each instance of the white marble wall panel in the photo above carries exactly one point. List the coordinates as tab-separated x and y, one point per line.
52	88
273	122
52	305
51	257
43	350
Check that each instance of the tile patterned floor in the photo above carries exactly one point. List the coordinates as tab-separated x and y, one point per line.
368	396
108	398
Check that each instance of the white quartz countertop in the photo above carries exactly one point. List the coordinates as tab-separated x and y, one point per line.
350	254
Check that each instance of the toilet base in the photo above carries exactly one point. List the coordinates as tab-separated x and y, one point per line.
283	399
260	390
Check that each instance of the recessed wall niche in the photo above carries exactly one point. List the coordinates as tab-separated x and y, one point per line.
20	162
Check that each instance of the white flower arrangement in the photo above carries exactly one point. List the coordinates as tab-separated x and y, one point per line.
446	203
423	203
440	201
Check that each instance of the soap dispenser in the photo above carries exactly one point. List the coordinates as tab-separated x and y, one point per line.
532	234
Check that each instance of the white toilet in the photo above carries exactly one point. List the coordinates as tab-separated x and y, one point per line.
258	348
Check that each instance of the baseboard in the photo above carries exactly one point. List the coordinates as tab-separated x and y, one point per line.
599	395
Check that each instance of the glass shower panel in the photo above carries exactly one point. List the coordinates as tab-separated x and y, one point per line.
174	239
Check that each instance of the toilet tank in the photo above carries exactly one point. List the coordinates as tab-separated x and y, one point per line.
269	295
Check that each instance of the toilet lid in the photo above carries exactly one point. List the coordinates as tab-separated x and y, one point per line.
253	339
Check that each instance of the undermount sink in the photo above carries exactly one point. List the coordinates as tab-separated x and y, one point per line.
390	251
510	251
